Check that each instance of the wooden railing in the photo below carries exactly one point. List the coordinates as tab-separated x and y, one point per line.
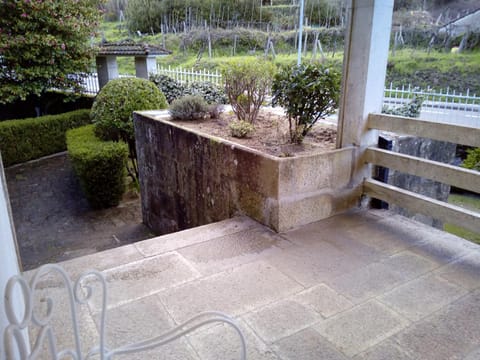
445	173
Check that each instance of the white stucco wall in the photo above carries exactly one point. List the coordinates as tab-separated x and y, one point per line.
8	255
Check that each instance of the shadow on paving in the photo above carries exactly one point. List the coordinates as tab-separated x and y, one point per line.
53	220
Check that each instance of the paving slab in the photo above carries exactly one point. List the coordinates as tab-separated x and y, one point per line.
313	234
357	329
386	350
307	345
409	265
61	321
143	278
101	260
221	342
315	263
386	236
324	300
451	333
352	218
464	271
421	297
377	278
281	319
474	355
178	240
228	251
443	249
140	320
367	282
235	291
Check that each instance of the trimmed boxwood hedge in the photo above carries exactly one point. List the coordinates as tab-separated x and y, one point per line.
26	139
100	166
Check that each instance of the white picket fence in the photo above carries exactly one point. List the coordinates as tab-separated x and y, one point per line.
191	75
441	99
179	74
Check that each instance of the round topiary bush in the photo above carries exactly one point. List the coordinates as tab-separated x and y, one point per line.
112	111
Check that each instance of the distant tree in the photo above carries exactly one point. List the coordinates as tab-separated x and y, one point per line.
113	9
150	15
43	44
144	15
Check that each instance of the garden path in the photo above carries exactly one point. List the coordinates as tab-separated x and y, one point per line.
53	220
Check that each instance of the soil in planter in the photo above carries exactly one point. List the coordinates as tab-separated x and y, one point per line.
271	134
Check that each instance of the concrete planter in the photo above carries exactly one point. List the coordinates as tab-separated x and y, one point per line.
188	178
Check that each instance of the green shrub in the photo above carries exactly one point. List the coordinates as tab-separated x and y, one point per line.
100	166
26	139
472	161
112	111
211	93
171	88
410	109
241	129
189	107
308	93
246	84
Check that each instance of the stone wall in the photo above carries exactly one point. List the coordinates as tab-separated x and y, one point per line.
189	179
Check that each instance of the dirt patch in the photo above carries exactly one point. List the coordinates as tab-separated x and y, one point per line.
271	134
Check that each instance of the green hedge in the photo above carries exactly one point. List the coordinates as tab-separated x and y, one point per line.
100	166
26	139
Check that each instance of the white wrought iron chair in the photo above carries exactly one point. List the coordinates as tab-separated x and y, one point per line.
79	292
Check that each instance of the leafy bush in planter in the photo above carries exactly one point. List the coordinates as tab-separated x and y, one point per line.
171	88
100	166
241	129
189	107
246	84
26	139
308	93
112	111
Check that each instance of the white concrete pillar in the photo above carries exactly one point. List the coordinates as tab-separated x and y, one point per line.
364	68
107	69
9	261
145	65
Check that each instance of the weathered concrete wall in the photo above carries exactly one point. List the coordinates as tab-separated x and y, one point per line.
189	179
425	148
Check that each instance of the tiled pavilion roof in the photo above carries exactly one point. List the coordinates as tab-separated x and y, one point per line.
130	48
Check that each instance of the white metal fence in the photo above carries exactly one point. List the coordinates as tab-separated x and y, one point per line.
442	106
181	75
191	75
91	86
441	99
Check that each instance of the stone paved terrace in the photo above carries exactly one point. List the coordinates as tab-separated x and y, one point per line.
363	285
